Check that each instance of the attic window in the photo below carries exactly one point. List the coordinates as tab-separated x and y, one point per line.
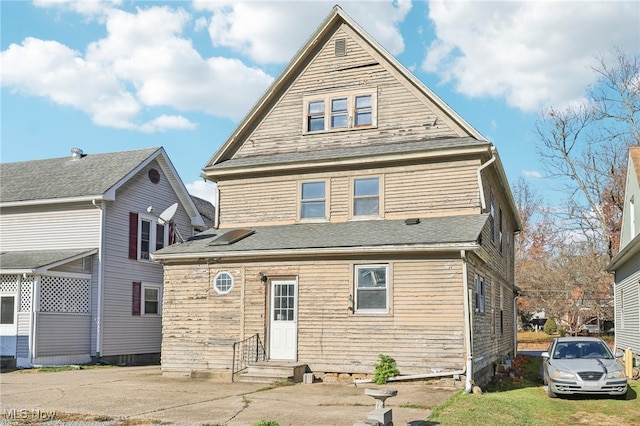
341	47
154	176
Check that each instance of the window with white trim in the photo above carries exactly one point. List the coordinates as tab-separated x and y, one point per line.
480	293
152	236
313	203
341	111
372	288
366	196
151	298
223	282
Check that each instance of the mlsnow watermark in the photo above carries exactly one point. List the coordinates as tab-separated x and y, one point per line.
33	414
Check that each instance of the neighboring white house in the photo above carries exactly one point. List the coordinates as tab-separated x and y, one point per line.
76	279
626	264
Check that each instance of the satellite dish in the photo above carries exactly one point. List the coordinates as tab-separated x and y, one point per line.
167	215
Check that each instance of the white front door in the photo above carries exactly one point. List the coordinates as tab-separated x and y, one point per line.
283	322
8	325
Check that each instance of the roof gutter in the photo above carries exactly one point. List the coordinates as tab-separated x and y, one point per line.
214	172
83	199
314	252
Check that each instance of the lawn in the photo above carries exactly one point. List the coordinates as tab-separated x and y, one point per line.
523	401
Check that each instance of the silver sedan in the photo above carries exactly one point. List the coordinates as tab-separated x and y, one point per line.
582	365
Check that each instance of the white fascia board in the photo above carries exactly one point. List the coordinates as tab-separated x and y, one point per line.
87	198
310	252
17	271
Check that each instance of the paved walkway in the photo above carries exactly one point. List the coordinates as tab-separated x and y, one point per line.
127	393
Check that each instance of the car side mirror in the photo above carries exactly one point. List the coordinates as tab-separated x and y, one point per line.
545	355
619	354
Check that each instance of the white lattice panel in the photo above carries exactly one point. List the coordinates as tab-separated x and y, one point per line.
25	294
9	283
61	294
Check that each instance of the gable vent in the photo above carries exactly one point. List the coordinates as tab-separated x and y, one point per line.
341	47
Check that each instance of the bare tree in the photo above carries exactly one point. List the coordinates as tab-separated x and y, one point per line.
584	148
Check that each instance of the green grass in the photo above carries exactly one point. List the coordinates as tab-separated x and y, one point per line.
523	401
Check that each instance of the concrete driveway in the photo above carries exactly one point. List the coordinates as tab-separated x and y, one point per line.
113	395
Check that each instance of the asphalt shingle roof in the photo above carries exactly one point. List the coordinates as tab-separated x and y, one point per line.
65	177
34	259
353	152
430	231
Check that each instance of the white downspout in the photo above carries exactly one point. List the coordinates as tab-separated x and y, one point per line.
468	385
415	376
99	306
483	202
515	326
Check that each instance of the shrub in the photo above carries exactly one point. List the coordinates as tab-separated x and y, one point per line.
385	368
550	327
266	423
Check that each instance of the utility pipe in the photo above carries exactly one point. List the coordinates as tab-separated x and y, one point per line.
483	202
468	386
415	376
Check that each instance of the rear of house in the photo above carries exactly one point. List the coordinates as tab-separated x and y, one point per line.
359	215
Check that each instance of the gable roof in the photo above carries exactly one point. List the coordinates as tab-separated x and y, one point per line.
313	239
84	178
39	261
207	210
336	18
632	248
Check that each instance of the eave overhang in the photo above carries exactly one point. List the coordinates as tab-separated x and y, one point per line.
213	257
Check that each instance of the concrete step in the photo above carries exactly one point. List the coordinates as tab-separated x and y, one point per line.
269	372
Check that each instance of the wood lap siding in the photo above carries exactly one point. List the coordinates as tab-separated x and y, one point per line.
423	331
402	115
435	189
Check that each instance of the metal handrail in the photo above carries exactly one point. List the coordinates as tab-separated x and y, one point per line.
245	352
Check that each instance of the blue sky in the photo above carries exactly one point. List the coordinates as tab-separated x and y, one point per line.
117	75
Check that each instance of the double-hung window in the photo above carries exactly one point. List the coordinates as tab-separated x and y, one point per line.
339	117
334	112
152	236
366	196
372	288
313	200
315	116
363	115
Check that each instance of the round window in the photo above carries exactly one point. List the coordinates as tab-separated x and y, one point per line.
223	282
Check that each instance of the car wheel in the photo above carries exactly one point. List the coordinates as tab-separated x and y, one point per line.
551	393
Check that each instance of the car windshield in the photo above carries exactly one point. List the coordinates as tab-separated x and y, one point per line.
581	350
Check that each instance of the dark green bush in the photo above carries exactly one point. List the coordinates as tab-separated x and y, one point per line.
385	368
550	327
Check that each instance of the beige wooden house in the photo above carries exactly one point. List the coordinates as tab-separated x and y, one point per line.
358	215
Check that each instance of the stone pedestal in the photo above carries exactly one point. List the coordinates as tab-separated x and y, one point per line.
383	416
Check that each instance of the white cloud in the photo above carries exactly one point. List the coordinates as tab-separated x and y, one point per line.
203	189
166	122
533	54
83	7
272	32
532	174
52	70
144	61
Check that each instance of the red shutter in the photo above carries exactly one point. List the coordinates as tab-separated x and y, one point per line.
133	236
136	299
